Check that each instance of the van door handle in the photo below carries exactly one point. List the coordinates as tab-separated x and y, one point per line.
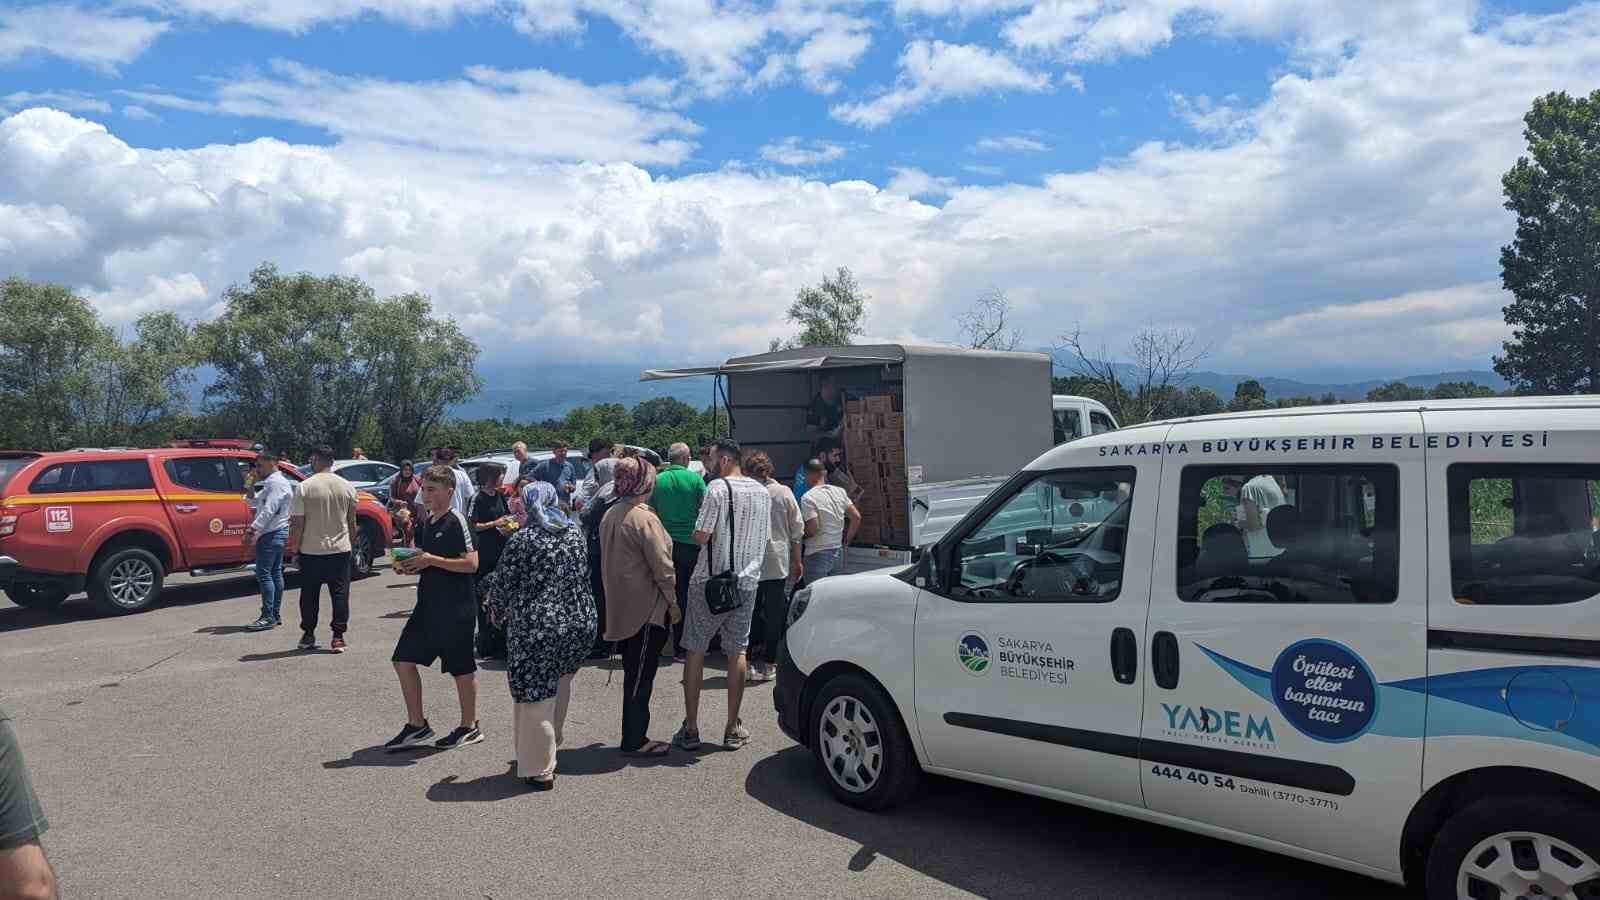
1124	656
1164	659
186	507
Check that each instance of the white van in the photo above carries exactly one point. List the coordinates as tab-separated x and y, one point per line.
1366	636
1076	416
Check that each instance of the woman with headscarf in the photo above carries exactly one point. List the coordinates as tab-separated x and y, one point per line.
641	596
405	493
539	593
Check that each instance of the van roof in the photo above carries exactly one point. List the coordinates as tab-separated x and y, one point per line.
837	357
1485	404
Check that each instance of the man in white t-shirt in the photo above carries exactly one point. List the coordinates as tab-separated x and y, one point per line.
831	522
1257	497
742	548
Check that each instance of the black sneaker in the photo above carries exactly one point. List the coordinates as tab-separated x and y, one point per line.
410	736
308	641
261	624
461	737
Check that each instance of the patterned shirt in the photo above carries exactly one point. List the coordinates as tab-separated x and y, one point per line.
752	528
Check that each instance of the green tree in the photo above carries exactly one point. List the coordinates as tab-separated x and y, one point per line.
1248	395
1199	401
289	367
143	385
829	314
51	345
1552	267
1396	392
1459	390
420	365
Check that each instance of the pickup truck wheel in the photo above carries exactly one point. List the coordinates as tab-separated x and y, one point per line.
37	596
126	580
361	553
861	747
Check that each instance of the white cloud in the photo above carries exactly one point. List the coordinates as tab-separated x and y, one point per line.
139	114
792	151
986	171
300	15
529	113
1210	117
932	71
828	53
1011	143
910	182
72	101
100	40
1353	219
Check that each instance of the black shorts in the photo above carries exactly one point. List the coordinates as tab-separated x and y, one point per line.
442	630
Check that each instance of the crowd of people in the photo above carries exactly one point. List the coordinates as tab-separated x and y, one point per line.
658	562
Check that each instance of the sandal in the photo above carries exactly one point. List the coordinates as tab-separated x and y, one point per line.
650	749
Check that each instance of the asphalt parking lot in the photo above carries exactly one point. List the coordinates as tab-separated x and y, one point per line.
179	756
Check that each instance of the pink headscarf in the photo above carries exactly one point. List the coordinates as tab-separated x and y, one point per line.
633	477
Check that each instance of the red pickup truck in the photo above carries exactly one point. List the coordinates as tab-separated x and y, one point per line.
115	522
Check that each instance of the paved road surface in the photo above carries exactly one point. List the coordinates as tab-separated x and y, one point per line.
179	756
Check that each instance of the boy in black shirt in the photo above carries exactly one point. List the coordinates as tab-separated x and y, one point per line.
488	511
441	625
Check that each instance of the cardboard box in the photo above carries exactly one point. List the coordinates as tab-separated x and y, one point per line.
854	406
894	421
880	403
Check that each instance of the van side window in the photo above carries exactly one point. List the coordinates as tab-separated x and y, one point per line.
1058	539
1524	535
111	475
1289	534
207	473
1100	423
1069	427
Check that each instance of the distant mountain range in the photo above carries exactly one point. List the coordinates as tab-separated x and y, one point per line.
540	391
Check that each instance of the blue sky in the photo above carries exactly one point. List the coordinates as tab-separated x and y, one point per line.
1310	187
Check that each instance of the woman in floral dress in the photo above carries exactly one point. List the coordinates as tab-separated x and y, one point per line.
540	595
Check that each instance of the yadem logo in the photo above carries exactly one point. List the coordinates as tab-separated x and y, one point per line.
973	651
1226	726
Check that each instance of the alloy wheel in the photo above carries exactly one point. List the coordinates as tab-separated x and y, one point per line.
131	583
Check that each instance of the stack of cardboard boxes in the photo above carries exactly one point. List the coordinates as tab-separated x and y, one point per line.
875	450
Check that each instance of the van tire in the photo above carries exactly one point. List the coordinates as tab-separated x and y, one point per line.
126	580
852	719
37	596
1564	819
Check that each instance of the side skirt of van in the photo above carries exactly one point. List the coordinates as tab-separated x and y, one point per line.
1139	812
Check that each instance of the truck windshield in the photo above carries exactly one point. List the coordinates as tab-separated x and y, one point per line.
11	465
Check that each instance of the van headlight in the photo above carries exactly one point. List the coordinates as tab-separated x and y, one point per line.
797	605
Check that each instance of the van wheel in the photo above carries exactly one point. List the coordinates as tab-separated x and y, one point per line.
1534	847
37	596
858	741
126	580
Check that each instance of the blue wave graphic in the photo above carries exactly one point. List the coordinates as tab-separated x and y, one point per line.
1553	705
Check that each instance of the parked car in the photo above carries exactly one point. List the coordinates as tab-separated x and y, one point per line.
507	459
115	523
1362	636
365	474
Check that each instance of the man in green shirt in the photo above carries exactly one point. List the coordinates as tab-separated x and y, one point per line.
677	501
24	870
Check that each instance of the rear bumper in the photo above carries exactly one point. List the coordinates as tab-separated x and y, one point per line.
8	571
788	695
11	572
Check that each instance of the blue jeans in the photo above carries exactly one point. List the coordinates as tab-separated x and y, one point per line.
269	572
822	564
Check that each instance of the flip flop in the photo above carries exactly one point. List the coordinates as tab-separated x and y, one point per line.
650	749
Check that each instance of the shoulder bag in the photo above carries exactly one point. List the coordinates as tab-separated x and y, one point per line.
722	591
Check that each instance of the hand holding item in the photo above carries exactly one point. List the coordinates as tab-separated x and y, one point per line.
674	614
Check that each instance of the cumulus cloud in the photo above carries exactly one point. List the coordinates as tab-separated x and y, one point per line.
529	113
792	151
1351	217
98	39
933	71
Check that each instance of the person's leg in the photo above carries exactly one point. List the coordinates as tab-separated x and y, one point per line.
467	694
310	592
597	586
632	668
535	739
411	691
264	580
563	700
684	558
280	540
338	576
735	632
772	609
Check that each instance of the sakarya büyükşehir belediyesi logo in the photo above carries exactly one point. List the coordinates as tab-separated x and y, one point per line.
973	651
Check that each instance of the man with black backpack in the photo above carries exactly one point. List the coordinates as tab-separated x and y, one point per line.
732	529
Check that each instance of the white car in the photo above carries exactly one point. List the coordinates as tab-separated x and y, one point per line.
365	474
1366	637
508	460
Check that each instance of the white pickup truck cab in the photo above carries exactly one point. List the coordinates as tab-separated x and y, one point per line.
1076	416
1365	636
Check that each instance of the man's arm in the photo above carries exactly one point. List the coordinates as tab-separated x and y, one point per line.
466	565
796	564
854	516
297	530
351	522
25	874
